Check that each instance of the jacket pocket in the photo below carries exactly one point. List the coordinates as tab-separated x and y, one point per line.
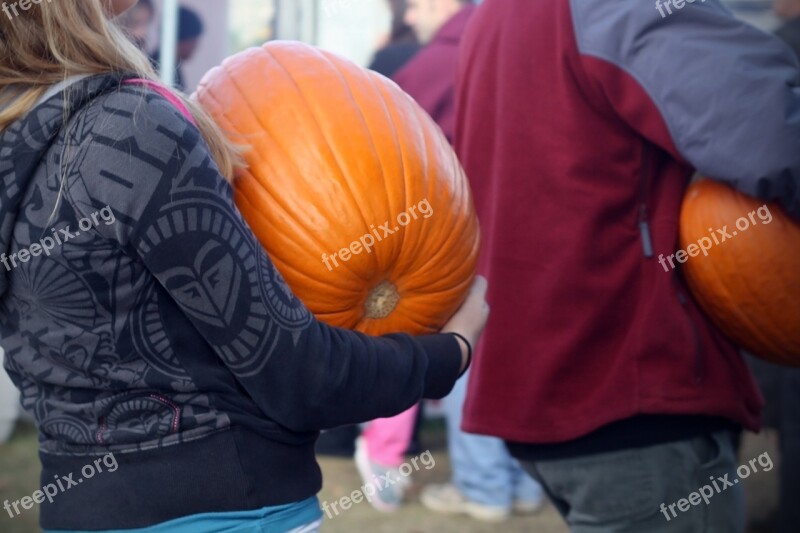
139	417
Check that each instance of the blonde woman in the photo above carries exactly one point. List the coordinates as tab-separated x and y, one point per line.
177	383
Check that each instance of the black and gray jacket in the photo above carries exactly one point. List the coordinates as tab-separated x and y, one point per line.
156	327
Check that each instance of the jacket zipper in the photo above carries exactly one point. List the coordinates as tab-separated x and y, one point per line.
699	363
647	248
644	226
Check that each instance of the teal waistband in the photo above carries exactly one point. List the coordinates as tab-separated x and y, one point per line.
279	518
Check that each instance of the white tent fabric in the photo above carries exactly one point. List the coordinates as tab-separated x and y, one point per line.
169	41
9	403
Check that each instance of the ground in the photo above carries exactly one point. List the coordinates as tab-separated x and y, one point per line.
19	470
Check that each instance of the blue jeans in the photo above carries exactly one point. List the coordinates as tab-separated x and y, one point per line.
483	470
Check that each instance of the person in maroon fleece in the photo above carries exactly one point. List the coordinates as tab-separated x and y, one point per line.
580	124
430	76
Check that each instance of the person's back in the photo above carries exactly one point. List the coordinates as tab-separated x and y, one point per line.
789	12
430	76
393	56
579	124
783	396
402	44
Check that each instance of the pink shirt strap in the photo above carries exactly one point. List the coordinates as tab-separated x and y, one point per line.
166	93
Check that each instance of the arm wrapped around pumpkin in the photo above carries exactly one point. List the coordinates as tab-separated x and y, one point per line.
351	188
181	222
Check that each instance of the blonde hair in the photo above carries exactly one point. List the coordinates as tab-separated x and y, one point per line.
56	39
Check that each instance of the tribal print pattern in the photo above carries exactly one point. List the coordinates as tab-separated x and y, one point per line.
129	309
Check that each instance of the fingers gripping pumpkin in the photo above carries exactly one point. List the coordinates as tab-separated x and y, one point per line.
351	188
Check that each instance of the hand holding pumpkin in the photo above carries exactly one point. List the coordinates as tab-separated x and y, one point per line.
471	317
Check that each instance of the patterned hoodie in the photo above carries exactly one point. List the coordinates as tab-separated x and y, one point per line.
140	316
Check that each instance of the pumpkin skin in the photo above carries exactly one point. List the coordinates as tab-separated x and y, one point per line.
334	152
750	283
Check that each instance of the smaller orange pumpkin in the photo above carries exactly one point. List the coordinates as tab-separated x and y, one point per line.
750	281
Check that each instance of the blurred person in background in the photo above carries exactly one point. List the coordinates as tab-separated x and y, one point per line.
138	21
759	13
152	338
402	45
781	385
430	76
190	30
598	369
487	482
789	12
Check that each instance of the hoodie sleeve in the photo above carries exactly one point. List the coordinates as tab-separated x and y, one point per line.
175	212
713	91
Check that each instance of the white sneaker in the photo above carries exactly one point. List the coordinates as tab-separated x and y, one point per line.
448	499
389	487
528	508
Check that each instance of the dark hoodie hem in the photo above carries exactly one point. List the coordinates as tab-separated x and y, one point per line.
232	470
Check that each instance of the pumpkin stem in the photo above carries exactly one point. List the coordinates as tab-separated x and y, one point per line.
381	301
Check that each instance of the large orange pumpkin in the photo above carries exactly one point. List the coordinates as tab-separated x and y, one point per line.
750	281
341	161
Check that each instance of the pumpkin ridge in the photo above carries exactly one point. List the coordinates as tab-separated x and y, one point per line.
261	159
311	109
734	275
379	85
289	272
275	195
367	126
264	126
418	326
773	314
455	218
424	171
265	221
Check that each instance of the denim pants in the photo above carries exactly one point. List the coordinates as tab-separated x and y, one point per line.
483	470
623	491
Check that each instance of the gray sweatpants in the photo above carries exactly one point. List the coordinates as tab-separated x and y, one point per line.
623	491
